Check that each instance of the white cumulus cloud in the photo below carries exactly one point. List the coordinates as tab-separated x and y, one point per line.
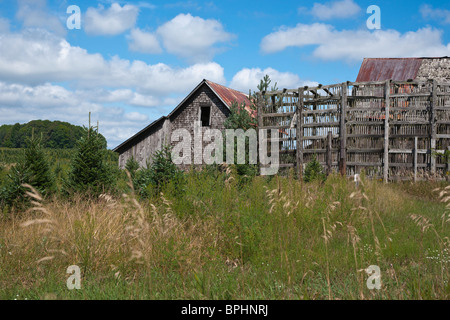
144	42
429	13
354	45
192	37
36	57
335	9
34	13
112	21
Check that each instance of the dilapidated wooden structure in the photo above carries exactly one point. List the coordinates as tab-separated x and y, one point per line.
208	103
391	129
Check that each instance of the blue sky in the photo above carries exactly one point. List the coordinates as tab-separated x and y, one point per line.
134	61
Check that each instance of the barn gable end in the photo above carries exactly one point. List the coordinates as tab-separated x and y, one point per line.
208	95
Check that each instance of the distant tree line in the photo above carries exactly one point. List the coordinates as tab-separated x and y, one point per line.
55	134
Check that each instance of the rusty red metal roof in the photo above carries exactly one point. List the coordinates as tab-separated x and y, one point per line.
397	69
229	95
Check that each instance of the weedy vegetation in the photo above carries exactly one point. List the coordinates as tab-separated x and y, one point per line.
214	232
215	237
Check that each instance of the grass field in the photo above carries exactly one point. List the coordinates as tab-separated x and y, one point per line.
272	238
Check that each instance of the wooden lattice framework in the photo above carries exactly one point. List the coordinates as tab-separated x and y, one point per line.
346	127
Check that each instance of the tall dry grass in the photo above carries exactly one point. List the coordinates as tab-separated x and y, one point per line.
218	239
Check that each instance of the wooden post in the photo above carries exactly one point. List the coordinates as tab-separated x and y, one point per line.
433	128
387	103
415	158
299	133
329	152
448	163
259	110
259	100
343	132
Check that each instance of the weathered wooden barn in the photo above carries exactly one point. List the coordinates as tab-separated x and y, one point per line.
208	103
404	69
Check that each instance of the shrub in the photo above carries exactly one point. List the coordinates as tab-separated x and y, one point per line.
161	172
314	171
132	166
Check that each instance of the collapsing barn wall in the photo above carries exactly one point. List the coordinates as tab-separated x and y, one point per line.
152	141
392	130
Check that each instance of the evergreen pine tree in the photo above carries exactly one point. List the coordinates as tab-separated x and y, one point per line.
36	162
161	172
314	171
89	171
132	166
240	118
33	168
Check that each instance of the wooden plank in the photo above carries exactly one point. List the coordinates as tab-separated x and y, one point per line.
416	122
409	135
329	152
415	158
328	92
299	134
335	136
309	151
365	135
323	125
365	164
275	115
365	150
320	111
421	151
367	123
343	131
409	109
434	103
387	102
259	106
365	97
275	127
410	95
279	139
448	164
